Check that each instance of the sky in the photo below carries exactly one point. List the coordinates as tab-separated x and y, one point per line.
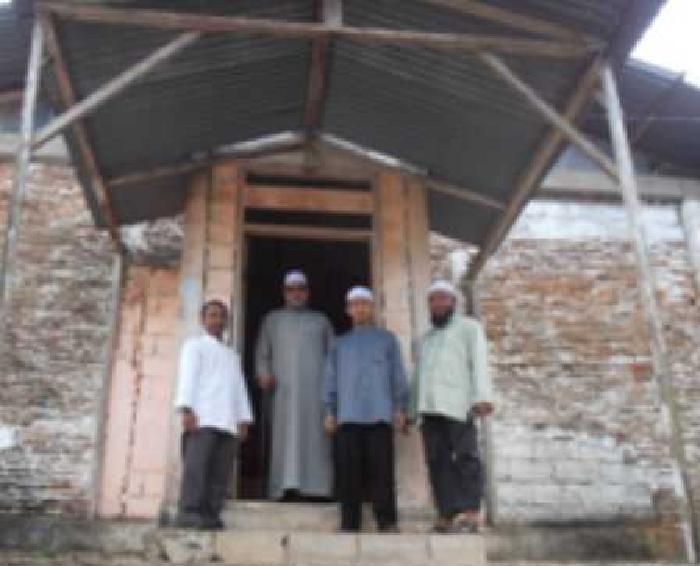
672	41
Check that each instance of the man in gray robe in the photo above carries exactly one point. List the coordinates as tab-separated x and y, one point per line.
290	358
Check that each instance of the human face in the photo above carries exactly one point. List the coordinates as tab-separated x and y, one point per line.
296	296
214	320
441	304
361	311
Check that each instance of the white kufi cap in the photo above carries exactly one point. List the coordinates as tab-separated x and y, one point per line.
442	286
359	293
295	277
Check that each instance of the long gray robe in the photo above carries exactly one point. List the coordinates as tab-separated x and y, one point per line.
292	347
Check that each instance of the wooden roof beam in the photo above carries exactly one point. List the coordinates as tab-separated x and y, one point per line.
435	185
67	94
549	113
329	12
194	165
111	88
517	46
514	20
532	175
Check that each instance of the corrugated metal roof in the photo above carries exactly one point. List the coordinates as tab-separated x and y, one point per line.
441	111
663	116
15	29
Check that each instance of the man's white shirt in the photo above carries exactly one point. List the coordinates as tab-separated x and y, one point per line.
211	383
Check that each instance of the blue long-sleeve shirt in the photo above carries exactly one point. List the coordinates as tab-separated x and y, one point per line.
365	379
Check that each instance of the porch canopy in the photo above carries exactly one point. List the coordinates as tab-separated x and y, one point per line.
444	87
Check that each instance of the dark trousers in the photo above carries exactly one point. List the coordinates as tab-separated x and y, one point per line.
208	456
454	467
365	457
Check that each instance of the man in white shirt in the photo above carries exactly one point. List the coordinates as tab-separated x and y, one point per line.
213	401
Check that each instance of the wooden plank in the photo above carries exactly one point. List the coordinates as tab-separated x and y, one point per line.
111	88
67	94
330	13
303	30
463	193
419	256
513	19
198	165
532	175
392	219
309	199
401	202
307	232
21	174
436	185
647	288
571	132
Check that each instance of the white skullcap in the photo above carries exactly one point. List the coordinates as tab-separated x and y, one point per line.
295	277
442	286
359	293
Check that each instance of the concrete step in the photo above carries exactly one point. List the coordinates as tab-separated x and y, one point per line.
278	548
311	517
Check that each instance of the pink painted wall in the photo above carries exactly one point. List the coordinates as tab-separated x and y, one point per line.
139	404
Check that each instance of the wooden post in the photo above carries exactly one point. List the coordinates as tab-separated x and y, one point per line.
19	183
192	269
397	224
485	428
647	287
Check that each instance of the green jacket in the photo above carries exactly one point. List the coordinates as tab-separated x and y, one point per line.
452	371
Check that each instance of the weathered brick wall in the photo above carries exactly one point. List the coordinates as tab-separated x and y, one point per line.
578	433
52	378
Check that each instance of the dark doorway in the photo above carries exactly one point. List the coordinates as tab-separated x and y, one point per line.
331	267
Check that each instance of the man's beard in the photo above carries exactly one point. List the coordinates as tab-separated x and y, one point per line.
440	320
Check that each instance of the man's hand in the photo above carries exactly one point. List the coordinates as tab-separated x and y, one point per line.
243	431
189	420
401	422
483	409
266	381
330	425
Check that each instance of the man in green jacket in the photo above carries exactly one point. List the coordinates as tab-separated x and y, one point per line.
452	388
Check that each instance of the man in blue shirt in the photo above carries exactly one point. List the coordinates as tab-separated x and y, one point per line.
365	391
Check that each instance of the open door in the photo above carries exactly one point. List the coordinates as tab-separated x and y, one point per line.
331	267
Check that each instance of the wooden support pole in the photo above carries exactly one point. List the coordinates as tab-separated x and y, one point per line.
532	175
517	46
21	173
471	288
647	288
111	88
571	132
67	95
